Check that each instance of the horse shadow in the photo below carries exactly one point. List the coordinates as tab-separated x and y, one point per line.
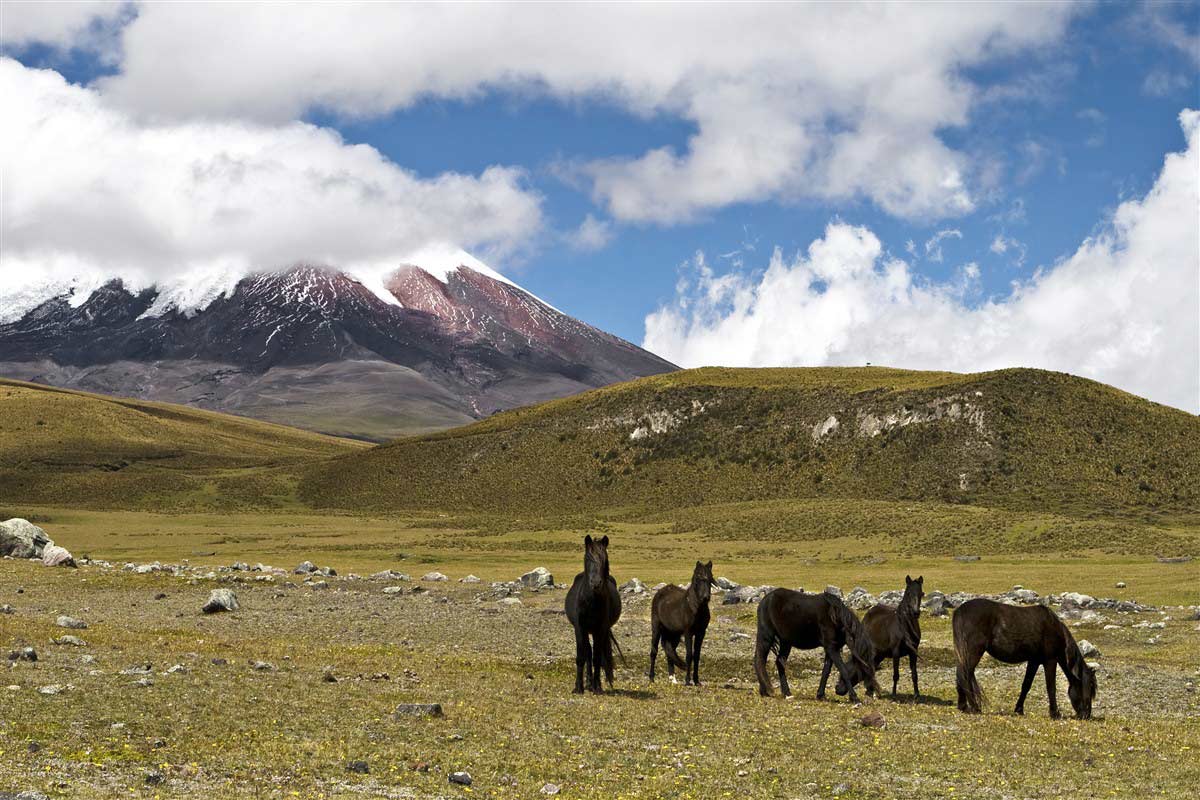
923	700
633	694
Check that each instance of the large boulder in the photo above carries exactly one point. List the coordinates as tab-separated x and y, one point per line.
860	599
538	578
20	538
220	600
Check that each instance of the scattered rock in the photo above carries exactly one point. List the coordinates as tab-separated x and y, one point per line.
966	559
1121	584
139	669
52	689
538	578
68	639
1174	559
64	621
393	589
317	585
434	577
220	600
834	590
305	568
936	606
143	682
23	654
550	788
419	710
7	609
55	556
738	636
746	594
873	720
1087	649
725	584
469	579
510	602
154	778
327	675
860	599
390	575
20	538
633	586
178	669
359	767
263	666
219	662
461	778
1076	600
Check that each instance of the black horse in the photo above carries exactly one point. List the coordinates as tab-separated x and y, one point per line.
896	632
678	613
788	619
593	607
1015	634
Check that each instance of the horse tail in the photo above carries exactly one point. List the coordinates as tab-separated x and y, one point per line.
612	636
673	655
767	641
968	686
862	649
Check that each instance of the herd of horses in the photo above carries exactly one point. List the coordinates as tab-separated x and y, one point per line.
787	619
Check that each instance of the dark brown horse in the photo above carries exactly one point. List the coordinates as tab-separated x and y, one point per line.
1016	634
788	619
896	632
593	607
678	613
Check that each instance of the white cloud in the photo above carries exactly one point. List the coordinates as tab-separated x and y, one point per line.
1123	309
92	24
1160	83
591	235
933	246
90	190
790	101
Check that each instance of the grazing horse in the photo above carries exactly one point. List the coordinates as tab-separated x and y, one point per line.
788	619
1015	634
593	607
896	632
678	613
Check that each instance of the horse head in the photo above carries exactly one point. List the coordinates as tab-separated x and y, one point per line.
914	593
1081	689
595	561
703	581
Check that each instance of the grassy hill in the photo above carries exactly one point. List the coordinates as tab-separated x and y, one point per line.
62	447
1017	439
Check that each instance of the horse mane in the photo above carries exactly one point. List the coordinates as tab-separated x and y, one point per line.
1076	663
862	649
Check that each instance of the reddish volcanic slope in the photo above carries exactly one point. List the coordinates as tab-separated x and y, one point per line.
317	348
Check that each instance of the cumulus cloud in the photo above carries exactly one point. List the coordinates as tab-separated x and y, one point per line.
89	190
591	235
91	24
1123	309
794	101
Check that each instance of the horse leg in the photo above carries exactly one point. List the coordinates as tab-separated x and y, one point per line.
912	666
762	646
597	655
1030	673
696	659
828	665
895	674
687	659
780	664
583	656
1052	689
655	635
609	662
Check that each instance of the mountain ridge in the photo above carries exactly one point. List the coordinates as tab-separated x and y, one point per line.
438	346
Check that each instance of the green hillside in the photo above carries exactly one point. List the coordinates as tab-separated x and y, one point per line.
1017	439
61	447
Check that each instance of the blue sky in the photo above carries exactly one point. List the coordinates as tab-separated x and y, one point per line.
1049	123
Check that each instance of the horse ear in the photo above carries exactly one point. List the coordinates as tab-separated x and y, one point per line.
710	565
604	541
587	540
907	580
921	579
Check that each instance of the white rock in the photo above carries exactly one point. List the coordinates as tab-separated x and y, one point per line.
537	578
434	577
20	538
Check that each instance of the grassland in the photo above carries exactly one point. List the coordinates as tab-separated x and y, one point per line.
91	451
1069	486
503	677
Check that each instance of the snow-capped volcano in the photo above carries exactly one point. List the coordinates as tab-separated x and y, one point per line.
437	340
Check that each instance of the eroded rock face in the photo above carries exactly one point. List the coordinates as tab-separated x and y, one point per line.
20	538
